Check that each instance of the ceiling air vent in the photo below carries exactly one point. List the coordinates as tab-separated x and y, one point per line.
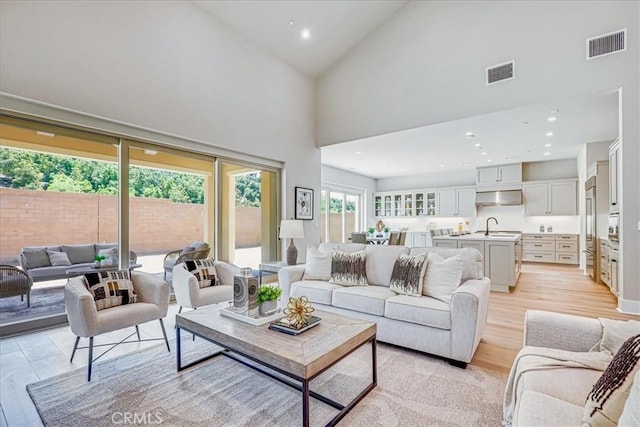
500	72
607	44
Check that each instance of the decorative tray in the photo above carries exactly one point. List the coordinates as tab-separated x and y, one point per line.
229	312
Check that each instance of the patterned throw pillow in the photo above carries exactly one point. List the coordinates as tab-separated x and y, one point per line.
606	401
443	277
110	288
408	275
349	269
204	271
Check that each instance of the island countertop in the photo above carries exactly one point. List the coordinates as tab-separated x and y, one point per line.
500	237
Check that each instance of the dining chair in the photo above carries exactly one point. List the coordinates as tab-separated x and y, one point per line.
402	238
358	237
394	238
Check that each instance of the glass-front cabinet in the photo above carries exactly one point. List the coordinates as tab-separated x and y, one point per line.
397	205
413	204
408	204
431	203
420	204
388	207
378	205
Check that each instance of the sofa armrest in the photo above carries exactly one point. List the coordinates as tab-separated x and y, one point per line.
288	275
561	331
469	309
151	289
226	271
81	309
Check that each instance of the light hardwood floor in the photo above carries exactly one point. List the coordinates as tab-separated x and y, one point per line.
33	357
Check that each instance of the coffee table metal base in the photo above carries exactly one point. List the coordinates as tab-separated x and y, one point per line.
304	383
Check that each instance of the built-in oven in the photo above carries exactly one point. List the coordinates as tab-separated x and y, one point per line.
614	227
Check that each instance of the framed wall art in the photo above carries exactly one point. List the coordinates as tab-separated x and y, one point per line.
304	203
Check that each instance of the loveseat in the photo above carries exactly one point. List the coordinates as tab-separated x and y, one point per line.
450	330
40	262
557	368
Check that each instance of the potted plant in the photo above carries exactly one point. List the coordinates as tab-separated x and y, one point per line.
99	259
268	299
371	231
386	230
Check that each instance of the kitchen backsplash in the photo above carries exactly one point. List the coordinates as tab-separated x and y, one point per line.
509	218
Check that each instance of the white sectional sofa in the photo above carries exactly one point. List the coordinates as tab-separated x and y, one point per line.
450	330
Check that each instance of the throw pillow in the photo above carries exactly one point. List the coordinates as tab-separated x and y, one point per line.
442	277
318	265
204	270
349	269
58	258
110	288
616	332
631	412
36	258
110	256
606	401
408	275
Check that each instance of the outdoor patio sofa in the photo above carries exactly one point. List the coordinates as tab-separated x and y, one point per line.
41	264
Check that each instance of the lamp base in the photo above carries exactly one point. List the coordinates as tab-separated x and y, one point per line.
292	254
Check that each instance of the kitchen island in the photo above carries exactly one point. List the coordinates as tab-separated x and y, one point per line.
502	253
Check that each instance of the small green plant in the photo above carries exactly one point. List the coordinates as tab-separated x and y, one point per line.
371	230
386	229
268	293
99	258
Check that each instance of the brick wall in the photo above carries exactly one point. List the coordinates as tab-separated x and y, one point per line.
32	218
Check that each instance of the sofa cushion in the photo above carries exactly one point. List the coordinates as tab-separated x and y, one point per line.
317	291
422	311
41	273
472	261
101	246
380	262
58	258
204	271
442	277
346	247
318	264
407	277
80	253
349	269
631	413
607	398
36	258
616	332
536	409
365	299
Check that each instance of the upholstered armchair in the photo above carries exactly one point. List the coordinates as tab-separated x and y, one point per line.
189	294
14	282
86	321
196	250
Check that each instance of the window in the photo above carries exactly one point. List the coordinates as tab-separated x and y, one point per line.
341	213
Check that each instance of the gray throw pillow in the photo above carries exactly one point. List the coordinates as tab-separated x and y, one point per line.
36	258
349	269
79	254
58	258
408	275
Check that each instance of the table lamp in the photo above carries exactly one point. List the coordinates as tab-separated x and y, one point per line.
291	229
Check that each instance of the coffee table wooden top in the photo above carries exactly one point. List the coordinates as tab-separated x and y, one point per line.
303	355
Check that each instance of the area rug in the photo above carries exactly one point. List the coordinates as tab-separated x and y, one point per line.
44	302
413	389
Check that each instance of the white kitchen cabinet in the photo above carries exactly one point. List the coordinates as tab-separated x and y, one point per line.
614	176
420	239
550	198
499	176
500	264
476	244
445	243
457	202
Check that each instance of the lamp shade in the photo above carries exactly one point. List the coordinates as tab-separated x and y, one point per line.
291	229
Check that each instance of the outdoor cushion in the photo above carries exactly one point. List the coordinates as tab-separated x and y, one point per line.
54	272
58	258
80	253
380	262
318	291
423	311
36	258
101	246
365	299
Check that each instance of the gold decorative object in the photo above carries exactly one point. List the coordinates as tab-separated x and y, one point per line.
379	226
298	311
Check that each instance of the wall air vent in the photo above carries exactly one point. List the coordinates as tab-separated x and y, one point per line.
607	44
500	72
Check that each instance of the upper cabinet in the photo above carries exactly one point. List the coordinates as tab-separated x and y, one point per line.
550	198
444	202
492	177
614	176
457	202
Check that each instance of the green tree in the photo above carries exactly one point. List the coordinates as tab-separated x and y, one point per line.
65	183
20	169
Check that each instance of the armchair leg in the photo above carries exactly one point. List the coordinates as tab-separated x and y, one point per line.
75	347
90	359
29	299
22	298
138	332
165	334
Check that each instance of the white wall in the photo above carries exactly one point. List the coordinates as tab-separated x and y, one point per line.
166	66
426	65
350	180
428	180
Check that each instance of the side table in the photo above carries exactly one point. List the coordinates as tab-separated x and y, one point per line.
272	267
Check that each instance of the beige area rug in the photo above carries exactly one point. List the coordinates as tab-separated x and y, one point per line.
413	390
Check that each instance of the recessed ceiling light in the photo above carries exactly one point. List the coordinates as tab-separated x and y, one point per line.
548	134
469	135
525	123
441	166
358	152
150	152
49	134
291	22
305	34
477	145
552	119
489	160
484	153
546	153
547	145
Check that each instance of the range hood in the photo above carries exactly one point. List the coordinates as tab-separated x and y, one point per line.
499	198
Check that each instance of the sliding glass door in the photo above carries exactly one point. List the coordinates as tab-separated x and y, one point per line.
341	214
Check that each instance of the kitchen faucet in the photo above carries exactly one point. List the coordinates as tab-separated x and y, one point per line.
486	233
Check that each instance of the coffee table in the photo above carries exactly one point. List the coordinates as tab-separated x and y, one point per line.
79	271
302	357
